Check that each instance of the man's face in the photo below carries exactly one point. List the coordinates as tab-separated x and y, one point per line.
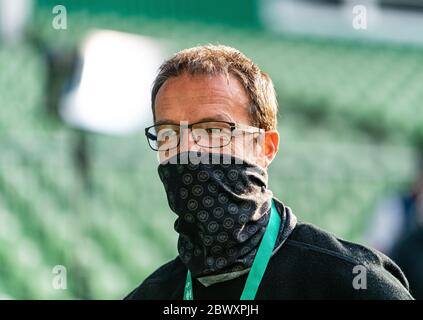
198	98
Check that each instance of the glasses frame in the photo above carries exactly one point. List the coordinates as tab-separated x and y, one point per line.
233	127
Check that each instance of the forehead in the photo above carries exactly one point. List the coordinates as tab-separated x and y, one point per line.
191	97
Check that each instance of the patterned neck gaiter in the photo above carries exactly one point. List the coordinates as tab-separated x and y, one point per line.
222	211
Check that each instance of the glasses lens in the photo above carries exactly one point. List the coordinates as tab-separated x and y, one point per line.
163	137
212	134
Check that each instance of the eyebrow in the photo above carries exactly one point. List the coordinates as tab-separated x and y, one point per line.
215	118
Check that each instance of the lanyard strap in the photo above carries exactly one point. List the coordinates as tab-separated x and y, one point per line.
260	261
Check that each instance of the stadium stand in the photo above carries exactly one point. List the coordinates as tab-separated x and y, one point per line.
345	142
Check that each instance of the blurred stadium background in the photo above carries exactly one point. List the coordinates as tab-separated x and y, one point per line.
90	199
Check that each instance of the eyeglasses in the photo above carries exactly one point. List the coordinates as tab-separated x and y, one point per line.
206	134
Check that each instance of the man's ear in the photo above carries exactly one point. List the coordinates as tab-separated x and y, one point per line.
270	146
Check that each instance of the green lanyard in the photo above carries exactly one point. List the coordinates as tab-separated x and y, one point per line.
260	262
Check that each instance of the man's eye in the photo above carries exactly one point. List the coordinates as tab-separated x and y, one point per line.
163	134
168	131
213	130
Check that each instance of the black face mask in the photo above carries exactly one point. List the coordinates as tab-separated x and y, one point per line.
222	210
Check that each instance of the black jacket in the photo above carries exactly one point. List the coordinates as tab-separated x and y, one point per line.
312	264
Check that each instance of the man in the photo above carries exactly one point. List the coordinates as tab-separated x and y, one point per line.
398	215
215	131
407	252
